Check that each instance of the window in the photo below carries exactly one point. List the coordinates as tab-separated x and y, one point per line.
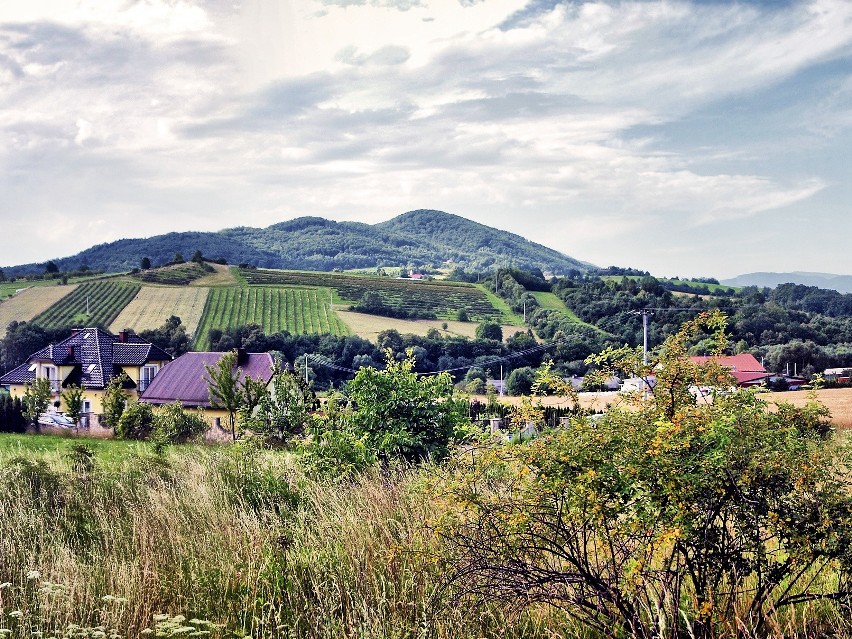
148	373
50	373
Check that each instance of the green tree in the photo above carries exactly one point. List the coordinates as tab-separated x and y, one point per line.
145	264
114	399
520	381
174	425
51	267
197	257
37	396
73	398
284	411
224	388
178	258
489	330
136	422
668	517
403	414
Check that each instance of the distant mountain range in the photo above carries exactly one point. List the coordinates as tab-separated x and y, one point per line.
417	238
839	283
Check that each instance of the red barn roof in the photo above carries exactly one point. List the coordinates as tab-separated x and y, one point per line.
744	367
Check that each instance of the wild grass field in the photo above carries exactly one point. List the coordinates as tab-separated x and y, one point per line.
274	308
223	542
153	305
29	303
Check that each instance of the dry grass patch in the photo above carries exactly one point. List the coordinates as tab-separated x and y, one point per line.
153	305
27	304
223	275
369	326
838	401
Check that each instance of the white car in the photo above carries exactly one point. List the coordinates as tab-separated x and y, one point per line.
55	419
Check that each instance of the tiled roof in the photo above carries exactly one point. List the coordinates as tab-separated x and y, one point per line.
185	379
96	355
744	367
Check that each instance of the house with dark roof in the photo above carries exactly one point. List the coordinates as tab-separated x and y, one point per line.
90	358
186	380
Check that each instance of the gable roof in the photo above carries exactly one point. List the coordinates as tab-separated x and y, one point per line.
185	379
96	355
744	367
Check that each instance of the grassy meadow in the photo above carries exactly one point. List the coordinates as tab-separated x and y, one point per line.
221	542
29	303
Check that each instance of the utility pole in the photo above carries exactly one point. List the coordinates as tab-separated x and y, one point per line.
645	313
501	380
306	369
525	311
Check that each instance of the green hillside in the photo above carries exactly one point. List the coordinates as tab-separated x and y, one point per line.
418	238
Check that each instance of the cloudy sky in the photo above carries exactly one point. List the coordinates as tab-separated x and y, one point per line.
688	138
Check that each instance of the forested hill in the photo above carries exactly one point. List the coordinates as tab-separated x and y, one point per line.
421	238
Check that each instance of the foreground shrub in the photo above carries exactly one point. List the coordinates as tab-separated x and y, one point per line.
672	518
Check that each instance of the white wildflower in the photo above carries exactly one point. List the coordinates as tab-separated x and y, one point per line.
33	574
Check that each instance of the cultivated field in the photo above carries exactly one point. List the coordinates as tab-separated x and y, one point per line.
153	305
274	308
174	274
103	300
27	304
444	299
369	326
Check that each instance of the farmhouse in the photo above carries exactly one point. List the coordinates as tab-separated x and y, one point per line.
744	367
185	380
90	358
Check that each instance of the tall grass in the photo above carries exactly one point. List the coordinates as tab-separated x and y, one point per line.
232	542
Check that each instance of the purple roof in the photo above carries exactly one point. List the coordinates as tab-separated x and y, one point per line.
185	379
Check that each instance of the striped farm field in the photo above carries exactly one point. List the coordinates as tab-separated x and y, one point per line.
24	306
103	300
153	305
444	299
274	308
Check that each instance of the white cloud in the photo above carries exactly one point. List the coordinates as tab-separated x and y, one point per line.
199	114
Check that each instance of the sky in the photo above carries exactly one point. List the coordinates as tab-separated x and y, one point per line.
690	138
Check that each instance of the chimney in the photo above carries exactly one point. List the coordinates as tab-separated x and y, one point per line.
71	352
75	331
242	356
122	337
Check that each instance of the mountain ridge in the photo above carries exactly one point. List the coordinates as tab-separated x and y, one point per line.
422	237
830	281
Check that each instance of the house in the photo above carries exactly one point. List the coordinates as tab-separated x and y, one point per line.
744	367
90	358
185	380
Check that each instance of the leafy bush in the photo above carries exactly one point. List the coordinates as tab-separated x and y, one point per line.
174	425
667	518
136	422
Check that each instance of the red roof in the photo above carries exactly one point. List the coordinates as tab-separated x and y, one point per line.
185	379
744	367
